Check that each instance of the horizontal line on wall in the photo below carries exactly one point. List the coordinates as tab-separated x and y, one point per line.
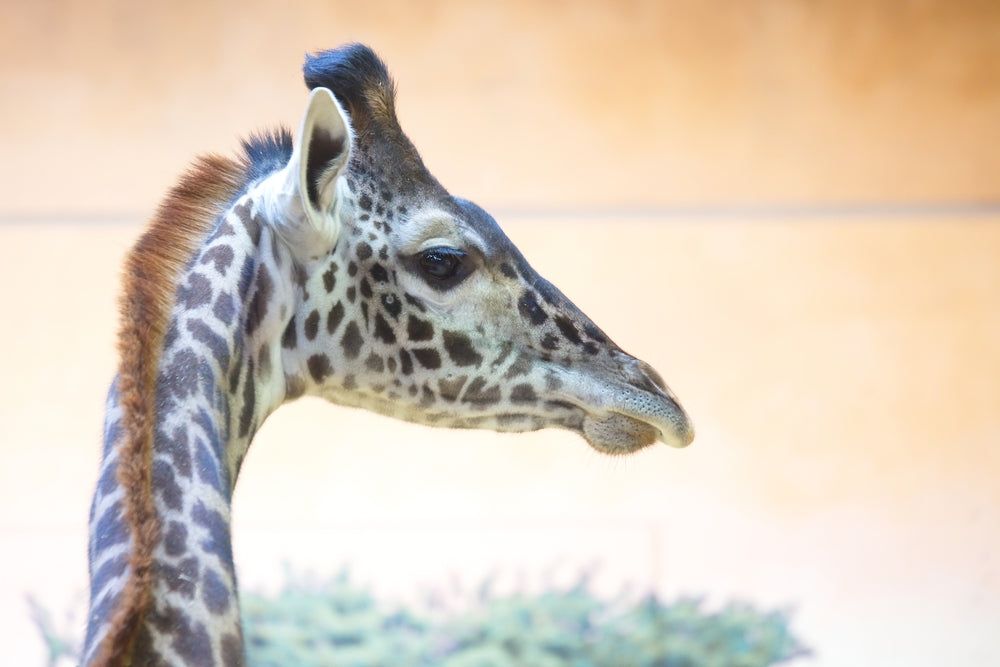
736	212
725	212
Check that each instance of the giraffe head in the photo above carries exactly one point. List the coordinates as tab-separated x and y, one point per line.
413	303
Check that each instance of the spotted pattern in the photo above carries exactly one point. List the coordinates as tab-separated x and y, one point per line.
197	449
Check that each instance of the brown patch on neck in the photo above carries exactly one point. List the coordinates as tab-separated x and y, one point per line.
151	273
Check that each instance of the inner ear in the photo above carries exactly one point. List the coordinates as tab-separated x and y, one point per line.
305	197
322	157
325	146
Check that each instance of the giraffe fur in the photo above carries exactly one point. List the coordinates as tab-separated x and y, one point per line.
149	278
334	266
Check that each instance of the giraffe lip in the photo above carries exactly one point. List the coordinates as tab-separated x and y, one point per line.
617	432
625	419
662	412
679	434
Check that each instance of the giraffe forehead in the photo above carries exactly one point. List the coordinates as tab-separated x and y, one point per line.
435	226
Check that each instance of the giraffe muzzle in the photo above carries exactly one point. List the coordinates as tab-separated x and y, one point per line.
658	407
633	411
636	419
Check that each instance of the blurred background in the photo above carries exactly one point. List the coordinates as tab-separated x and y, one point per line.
790	209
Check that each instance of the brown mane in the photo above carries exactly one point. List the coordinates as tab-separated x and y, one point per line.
152	270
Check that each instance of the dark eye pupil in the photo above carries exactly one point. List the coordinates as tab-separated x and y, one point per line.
441	263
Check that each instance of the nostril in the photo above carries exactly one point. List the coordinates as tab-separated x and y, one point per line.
650	373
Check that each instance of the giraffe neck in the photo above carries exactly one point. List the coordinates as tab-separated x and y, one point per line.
218	377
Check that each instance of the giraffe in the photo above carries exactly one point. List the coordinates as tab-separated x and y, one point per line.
335	266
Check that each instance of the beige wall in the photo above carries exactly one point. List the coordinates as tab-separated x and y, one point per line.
521	104
842	371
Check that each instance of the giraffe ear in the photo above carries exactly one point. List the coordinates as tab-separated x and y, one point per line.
320	155
325	145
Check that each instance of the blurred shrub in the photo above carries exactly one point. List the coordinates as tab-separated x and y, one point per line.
61	646
339	623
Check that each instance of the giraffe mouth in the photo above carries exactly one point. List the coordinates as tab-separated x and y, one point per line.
623	417
617	433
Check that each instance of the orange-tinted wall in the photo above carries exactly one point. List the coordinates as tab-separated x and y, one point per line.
525	104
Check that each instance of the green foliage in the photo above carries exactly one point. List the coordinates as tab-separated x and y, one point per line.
59	643
338	623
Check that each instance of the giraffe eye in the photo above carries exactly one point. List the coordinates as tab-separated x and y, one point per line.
441	263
